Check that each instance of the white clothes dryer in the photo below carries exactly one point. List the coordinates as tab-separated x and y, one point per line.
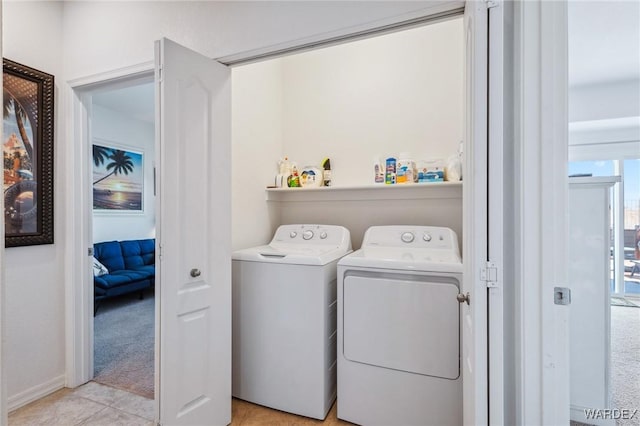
399	328
284	319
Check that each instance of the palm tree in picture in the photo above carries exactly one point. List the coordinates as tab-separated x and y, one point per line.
120	163
100	153
11	105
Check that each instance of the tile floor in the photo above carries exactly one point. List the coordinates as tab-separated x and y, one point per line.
94	404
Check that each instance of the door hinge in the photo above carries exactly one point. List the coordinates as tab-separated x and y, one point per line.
90	251
489	274
492	3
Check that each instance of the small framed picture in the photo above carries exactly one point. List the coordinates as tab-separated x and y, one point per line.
118	179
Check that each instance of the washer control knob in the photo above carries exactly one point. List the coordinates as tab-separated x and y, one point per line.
323	235
307	235
426	237
407	237
293	234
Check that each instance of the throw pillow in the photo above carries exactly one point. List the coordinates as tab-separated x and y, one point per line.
98	268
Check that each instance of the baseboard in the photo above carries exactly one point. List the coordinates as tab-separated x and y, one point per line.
35	393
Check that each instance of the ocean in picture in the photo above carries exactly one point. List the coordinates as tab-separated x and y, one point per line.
116	200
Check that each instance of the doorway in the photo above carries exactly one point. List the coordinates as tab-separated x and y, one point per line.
604	145
123	227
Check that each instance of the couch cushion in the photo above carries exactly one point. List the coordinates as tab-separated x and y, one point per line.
138	253
111	280
109	254
150	270
132	275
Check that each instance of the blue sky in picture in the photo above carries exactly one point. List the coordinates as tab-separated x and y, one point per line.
131	182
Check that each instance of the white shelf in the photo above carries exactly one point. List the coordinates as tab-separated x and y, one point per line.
416	191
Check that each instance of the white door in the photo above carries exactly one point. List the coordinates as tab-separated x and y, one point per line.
474	314
194	237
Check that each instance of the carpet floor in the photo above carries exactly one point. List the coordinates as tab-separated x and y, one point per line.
124	343
625	361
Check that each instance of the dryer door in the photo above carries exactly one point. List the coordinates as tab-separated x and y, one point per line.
403	322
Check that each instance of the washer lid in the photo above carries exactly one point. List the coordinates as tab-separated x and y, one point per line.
408	259
301	245
296	255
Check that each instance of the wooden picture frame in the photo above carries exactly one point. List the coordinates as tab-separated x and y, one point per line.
28	96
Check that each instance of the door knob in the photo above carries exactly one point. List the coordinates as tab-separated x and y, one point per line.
195	273
463	298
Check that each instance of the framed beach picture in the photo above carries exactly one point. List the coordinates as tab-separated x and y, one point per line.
118	179
28	155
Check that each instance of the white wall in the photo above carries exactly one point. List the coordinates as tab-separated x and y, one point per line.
34	285
101	36
352	102
604	100
256	143
604	120
604	80
116	129
378	97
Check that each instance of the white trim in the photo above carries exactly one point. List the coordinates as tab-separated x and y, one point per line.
3	304
78	294
612	150
495	308
439	9
127	76
36	392
618	228
541	231
554	211
475	215
79	278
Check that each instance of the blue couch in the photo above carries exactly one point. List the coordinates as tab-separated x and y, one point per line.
130	265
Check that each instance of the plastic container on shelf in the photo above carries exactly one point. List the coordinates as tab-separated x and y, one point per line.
431	171
390	171
378	171
406	169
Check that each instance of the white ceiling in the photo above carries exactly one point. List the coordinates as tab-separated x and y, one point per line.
604	41
137	102
604	45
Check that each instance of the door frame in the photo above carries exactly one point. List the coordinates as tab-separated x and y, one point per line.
79	278
3	304
540	199
79	302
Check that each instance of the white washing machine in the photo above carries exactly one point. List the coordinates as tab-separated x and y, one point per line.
284	319
399	328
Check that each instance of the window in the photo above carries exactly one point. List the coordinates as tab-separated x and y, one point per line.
593	168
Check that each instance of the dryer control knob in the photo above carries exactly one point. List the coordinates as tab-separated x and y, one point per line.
407	237
426	237
307	235
293	234
323	235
